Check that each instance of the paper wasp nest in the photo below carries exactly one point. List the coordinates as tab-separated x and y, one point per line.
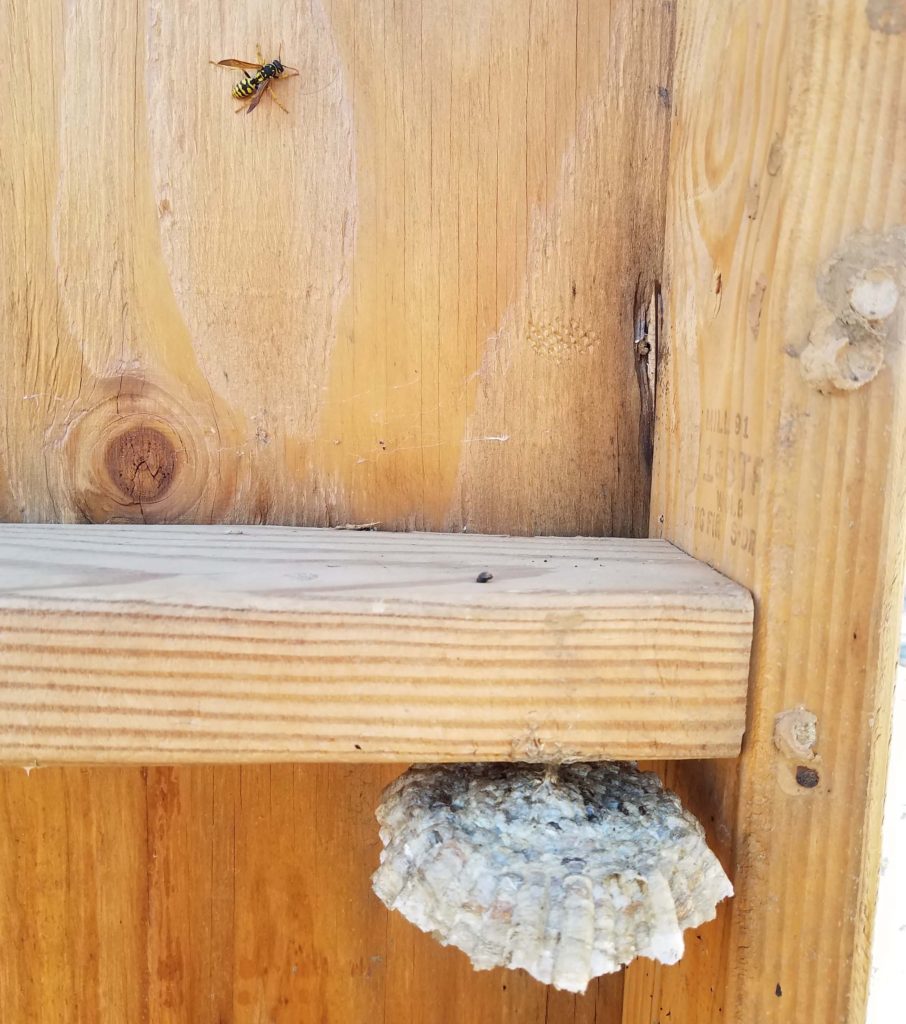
566	872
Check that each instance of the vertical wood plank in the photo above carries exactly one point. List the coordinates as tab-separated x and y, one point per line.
779	459
240	926
73	896
569	295
413	299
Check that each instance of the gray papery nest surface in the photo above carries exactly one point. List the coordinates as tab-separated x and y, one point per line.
567	872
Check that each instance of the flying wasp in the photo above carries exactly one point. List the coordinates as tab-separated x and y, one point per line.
254	86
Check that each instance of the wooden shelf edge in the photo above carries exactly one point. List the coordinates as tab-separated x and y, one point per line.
177	645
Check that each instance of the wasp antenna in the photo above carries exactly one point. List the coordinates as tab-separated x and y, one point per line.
321	88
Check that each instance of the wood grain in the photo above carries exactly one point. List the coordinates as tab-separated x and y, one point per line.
73	896
229	871
786	202
413	299
200	644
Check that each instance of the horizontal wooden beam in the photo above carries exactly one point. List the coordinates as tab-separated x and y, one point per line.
239	644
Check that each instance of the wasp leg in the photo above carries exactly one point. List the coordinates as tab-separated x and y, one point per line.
279	104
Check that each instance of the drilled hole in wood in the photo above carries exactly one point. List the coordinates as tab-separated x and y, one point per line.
808	778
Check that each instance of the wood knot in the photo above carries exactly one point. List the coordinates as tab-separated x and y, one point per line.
137	456
142	463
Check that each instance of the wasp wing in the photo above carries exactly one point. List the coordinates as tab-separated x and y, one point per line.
256	99
232	62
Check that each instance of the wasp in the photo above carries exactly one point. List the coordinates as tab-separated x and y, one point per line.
254	86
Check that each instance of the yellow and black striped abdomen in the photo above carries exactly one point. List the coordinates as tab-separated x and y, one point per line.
246	87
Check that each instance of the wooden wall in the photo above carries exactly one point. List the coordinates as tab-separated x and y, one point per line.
781	429
424	298
420	298
412	299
